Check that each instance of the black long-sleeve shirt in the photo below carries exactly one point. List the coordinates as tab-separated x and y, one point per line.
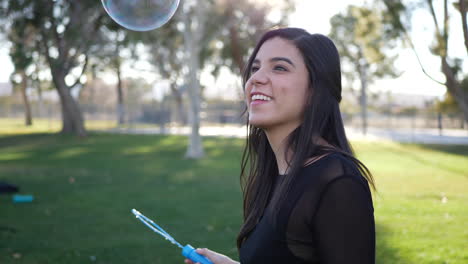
327	218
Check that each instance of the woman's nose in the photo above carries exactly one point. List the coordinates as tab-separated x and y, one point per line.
259	77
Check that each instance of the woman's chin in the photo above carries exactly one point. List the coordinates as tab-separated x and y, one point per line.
259	124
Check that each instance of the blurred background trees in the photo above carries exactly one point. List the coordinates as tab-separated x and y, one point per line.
74	48
76	41
364	48
451	66
63	32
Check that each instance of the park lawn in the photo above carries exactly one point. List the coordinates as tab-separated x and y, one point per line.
15	126
84	189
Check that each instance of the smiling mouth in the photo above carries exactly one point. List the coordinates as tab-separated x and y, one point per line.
259	97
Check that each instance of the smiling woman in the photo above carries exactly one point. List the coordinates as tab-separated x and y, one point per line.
277	90
306	197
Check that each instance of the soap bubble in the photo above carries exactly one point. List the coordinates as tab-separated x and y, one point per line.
141	15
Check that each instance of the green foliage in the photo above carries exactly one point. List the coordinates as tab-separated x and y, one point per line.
22	37
360	36
61	31
396	18
230	33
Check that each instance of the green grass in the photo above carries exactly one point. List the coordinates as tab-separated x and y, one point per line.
15	126
85	188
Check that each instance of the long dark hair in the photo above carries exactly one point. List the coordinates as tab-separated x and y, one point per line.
321	118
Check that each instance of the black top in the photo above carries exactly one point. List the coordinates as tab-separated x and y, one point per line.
327	217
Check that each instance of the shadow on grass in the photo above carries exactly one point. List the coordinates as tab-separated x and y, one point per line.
152	157
386	253
461	150
14	140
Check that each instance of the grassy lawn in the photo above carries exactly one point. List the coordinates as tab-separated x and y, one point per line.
85	188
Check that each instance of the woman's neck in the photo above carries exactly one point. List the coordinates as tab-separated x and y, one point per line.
278	142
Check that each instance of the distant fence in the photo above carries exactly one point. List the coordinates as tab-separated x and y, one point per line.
417	121
224	113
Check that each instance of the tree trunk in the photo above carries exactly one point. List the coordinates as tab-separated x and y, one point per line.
454	88
364	105
41	113
180	117
363	97
193	31
24	95
195	148
120	104
72	118
463	10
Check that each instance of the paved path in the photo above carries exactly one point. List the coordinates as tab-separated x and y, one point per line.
424	136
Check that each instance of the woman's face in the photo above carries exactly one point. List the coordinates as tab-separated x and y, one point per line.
277	90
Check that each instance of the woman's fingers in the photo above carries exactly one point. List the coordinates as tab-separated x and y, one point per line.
204	251
214	257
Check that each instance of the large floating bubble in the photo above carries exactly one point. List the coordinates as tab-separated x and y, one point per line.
141	15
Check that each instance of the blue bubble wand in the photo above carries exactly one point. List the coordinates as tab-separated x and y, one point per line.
188	251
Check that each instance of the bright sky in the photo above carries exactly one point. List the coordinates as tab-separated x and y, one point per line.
314	16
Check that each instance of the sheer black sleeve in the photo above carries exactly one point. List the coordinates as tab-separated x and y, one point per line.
344	223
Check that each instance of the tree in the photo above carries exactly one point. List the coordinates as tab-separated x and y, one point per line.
449	105
119	42
194	16
450	67
108	54
22	34
66	30
362	42
166	53
190	42
242	23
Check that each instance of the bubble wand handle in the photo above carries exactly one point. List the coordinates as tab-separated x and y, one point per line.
189	252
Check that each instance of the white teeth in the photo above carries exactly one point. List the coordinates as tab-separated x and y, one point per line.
260	97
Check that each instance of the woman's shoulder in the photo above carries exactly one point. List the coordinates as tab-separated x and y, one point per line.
328	176
332	166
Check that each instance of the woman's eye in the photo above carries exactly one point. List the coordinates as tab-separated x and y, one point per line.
280	68
254	69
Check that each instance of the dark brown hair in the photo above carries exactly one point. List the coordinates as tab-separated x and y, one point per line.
322	118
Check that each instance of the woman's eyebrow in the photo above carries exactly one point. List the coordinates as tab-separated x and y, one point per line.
257	61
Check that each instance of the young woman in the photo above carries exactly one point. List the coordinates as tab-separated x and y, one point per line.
306	197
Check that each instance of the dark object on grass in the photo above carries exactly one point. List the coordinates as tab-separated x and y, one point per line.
8	188
7	229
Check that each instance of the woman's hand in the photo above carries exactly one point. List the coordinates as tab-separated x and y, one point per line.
215	257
